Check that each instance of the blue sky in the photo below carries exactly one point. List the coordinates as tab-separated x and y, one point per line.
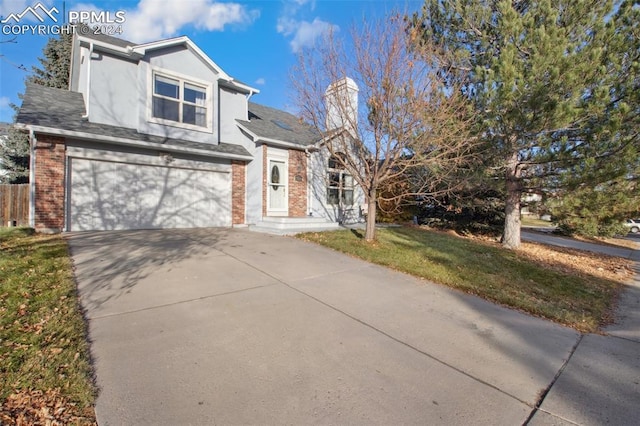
253	41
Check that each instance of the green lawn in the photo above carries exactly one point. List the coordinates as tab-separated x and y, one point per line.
44	358
539	223
486	270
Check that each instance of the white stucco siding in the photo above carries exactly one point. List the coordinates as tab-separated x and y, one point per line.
183	61
113	90
318	183
110	189
254	185
233	106
76	65
82	75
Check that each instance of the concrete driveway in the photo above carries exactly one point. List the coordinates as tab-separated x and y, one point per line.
220	326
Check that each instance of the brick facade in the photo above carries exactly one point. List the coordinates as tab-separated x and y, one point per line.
49	183
297	183
238	191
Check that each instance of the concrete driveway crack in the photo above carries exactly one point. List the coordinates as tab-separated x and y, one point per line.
150	308
389	336
544	393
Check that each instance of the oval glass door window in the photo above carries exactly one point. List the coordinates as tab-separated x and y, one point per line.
275	177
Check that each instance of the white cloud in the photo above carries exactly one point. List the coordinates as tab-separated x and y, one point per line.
303	2
4	102
261	81
304	33
286	25
157	19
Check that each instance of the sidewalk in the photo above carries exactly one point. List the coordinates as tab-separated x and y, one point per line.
601	380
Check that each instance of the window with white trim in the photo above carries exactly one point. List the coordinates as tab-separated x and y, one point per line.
339	183
178	100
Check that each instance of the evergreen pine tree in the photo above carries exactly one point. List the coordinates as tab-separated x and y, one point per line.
554	84
14	156
14	150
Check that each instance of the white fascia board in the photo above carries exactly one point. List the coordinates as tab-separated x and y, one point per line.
243	86
128	51
162	43
133	143
273	142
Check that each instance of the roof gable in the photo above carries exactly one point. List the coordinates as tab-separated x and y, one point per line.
185	41
129	49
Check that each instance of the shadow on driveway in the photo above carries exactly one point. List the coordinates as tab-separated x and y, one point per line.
108	265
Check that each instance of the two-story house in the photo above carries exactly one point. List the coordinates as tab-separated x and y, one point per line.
157	135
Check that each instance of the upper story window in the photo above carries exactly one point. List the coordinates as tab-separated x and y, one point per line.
179	100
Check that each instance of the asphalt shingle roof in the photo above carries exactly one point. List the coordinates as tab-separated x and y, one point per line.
63	109
88	32
271	123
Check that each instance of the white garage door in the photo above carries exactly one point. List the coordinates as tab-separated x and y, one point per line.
110	195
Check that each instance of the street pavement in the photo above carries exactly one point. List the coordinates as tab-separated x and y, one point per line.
548	238
227	326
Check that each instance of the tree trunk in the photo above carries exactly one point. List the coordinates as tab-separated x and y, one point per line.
511	235
370	231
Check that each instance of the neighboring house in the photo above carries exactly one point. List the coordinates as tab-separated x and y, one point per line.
157	135
529	200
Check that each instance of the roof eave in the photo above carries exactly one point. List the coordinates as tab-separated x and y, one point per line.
128	51
241	87
273	142
131	142
328	136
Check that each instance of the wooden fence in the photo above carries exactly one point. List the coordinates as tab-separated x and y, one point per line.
14	205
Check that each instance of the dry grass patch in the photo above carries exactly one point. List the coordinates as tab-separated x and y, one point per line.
44	357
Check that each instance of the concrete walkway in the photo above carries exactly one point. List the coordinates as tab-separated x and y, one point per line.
234	327
604	371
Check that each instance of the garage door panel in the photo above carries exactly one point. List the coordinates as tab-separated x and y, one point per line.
108	195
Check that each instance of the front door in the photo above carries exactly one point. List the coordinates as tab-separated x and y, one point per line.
277	177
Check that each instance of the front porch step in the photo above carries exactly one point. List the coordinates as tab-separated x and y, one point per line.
293	225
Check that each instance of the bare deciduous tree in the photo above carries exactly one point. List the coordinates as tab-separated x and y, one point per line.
408	126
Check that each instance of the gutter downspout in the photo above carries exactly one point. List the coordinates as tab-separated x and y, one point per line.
87	101
309	183
32	178
251	93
